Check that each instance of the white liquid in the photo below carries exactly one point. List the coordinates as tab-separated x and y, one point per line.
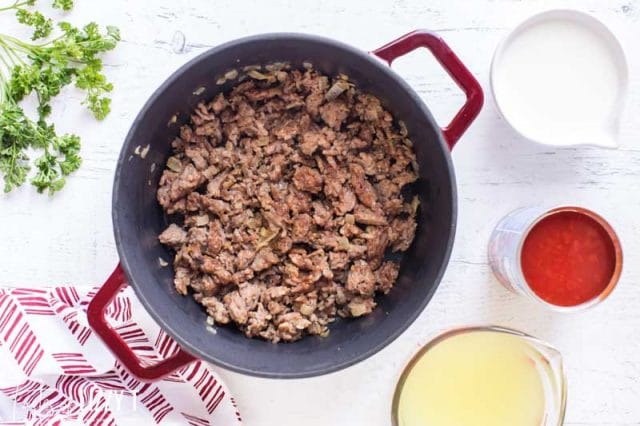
559	80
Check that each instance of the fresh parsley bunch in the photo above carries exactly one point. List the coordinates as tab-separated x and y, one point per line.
43	68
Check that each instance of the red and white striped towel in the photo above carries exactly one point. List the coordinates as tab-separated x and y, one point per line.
55	370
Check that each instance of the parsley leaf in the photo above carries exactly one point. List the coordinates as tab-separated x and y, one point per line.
42	26
65	5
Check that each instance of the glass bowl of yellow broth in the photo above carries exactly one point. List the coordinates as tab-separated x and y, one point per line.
482	376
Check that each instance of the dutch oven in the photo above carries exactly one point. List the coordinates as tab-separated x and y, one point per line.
138	218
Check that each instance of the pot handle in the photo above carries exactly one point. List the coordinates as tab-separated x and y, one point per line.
454	67
116	344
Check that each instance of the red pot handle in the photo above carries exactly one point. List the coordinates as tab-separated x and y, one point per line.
454	67
116	344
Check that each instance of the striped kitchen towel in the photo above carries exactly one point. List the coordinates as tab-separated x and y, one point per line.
54	370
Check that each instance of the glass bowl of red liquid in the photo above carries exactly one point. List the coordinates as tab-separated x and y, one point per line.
567	258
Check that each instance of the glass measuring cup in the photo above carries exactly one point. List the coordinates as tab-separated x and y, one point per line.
481	376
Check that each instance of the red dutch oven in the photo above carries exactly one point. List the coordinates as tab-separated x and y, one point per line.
138	218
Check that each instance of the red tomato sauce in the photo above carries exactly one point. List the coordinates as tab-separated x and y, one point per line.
568	258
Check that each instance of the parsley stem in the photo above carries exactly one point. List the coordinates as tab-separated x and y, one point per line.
15	5
4	61
17	42
11	55
3	86
3	79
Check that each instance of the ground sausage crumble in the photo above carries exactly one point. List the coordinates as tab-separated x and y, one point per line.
285	194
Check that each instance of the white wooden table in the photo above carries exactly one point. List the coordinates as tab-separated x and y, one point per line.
68	239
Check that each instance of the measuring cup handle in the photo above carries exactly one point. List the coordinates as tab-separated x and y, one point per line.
454	67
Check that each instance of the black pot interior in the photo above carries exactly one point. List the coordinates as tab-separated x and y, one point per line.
138	219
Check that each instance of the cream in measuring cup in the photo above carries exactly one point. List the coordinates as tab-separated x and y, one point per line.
560	78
